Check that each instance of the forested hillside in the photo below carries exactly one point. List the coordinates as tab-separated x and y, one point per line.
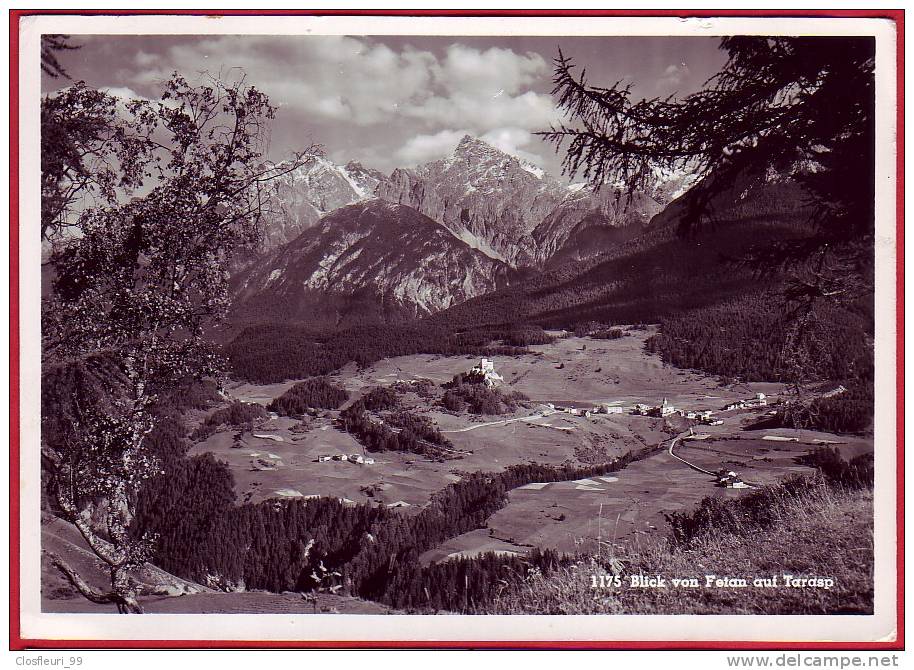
658	276
279	545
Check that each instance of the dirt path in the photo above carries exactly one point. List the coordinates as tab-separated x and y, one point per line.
503	422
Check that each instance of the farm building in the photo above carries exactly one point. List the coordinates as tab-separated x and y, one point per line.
730	480
760	400
700	415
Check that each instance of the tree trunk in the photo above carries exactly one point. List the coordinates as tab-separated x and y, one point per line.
123	594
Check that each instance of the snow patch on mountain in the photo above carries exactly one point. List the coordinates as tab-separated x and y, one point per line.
537	172
476	242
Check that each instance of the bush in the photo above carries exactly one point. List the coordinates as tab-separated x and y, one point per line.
420	426
379	398
848	412
416	434
759	509
745	338
236	414
854	474
317	392
608	334
764	507
599	331
464	393
453	402
523	336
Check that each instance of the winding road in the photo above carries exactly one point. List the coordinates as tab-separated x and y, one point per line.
678	458
695	467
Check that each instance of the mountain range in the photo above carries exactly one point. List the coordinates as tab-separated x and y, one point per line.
372	259
378	278
344	243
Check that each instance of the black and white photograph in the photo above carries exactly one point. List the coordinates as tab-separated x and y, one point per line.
360	320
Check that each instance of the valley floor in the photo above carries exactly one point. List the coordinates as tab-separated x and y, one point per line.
621	512
568	516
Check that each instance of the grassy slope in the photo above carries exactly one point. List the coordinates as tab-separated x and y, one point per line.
826	534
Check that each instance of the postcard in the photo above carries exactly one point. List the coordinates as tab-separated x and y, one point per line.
460	331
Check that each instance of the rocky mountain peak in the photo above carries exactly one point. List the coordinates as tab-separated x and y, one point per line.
469	145
372	258
474	150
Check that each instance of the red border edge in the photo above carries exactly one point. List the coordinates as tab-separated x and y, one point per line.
18	643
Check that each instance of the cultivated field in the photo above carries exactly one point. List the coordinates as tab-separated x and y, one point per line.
619	509
572	372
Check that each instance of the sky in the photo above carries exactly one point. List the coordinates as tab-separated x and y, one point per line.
392	101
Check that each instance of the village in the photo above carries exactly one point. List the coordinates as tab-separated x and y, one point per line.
484	373
722	477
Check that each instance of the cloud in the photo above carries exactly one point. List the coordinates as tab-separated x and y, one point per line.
332	77
143	59
511	141
424	148
380	101
528	110
485	89
352	80
123	93
672	76
489	73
